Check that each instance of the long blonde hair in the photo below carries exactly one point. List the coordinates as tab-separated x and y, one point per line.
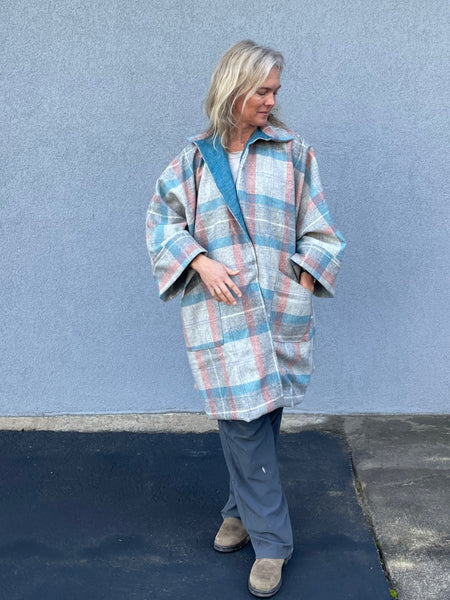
241	70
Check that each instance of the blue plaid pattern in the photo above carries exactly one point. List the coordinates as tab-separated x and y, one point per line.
248	359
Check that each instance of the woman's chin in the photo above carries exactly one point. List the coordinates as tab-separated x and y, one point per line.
262	120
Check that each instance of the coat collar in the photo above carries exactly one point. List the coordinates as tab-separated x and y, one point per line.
215	157
268	132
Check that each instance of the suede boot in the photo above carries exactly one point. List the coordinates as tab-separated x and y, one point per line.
265	576
231	536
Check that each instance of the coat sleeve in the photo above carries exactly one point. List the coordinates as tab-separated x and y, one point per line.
320	245
170	227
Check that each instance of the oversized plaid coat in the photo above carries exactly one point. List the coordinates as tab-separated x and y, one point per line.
256	356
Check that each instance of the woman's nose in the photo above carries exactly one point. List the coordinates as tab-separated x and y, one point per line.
270	100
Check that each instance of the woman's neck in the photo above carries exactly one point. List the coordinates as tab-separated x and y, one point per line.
239	137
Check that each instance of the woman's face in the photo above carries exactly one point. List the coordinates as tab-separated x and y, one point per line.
258	107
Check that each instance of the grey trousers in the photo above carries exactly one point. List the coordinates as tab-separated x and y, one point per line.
256	494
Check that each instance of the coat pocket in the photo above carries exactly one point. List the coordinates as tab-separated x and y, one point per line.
200	315
291	310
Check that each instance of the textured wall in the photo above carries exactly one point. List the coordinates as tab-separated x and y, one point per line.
99	96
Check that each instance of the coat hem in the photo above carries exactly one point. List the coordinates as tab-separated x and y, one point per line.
255	412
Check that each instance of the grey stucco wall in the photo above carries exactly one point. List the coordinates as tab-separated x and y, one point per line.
99	96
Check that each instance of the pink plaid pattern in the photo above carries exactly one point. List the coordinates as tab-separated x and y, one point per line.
254	357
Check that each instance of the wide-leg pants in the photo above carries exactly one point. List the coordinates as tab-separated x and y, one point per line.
256	494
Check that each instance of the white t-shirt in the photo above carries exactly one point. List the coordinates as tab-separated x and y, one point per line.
234	159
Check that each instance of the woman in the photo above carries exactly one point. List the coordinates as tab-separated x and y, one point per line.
238	224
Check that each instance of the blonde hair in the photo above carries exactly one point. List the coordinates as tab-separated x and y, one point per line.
241	70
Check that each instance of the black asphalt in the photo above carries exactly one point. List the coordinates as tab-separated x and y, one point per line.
90	516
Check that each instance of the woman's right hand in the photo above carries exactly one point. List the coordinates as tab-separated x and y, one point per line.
216	277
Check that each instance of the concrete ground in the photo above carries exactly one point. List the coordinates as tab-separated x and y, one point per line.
402	483
402	464
402	471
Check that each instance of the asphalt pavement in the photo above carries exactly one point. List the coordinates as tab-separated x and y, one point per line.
97	514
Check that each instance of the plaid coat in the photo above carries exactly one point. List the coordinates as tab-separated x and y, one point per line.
248	359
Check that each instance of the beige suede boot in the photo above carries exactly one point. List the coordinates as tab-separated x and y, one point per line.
231	536
265	576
